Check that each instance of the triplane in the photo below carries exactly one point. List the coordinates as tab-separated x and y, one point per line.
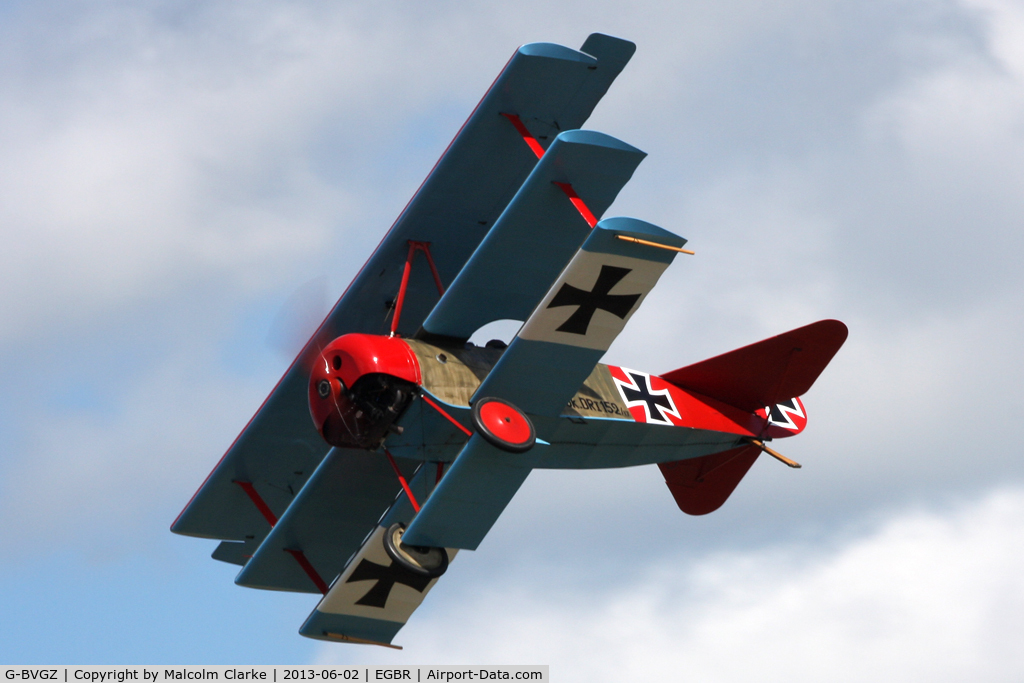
419	439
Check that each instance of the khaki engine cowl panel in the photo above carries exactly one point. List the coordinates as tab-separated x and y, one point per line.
454	375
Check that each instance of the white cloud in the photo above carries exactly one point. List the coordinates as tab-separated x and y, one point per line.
926	596
147	150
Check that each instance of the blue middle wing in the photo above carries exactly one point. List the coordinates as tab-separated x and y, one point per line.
327	522
537	234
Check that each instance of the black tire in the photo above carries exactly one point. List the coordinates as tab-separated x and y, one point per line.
428	562
527	435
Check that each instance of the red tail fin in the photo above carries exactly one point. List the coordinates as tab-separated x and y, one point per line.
768	372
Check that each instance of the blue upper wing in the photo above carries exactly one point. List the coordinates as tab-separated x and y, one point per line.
550	88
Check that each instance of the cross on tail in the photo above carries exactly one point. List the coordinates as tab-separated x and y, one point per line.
657	404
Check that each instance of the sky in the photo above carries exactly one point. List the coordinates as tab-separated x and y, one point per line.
185	186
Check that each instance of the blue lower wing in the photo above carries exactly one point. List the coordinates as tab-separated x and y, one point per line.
470	498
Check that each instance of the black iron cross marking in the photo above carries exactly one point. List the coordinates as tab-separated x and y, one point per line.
386	578
779	414
643	394
598	298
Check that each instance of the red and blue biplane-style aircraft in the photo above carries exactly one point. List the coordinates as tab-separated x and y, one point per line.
419	439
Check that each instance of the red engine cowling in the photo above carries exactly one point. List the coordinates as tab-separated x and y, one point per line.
359	385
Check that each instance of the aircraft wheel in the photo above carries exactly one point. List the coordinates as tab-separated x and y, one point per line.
503	425
429	562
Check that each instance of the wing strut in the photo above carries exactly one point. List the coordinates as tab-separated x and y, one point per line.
532	143
414	246
451	419
578	202
402	481
258	501
307	567
300	557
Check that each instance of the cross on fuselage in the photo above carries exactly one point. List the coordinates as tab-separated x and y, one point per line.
598	298
386	578
645	395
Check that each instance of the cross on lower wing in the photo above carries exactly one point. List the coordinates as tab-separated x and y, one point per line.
597	298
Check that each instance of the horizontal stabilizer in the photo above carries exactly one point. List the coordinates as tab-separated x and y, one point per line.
702	485
768	372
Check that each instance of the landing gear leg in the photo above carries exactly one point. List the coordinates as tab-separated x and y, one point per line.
428	562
